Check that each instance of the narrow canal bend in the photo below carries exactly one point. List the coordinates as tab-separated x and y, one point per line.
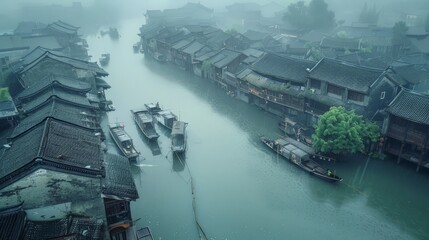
242	190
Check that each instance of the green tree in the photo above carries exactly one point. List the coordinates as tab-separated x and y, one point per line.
339	130
4	94
297	15
369	16
399	33
320	16
314	16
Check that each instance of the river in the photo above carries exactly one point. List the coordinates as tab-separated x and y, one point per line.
242	190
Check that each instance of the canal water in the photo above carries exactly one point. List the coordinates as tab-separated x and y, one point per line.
241	189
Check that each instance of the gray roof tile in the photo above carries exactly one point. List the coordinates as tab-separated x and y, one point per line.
119	181
283	68
411	105
347	75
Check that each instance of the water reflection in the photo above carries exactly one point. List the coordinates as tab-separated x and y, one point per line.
179	161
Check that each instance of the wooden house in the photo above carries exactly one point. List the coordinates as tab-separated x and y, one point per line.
335	83
406	128
277	84
118	190
67	163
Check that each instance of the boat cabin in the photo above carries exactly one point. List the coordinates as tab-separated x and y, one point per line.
178	136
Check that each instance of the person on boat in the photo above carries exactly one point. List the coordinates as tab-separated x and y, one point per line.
329	173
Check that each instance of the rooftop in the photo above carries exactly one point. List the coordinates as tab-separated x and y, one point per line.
283	68
55	143
56	92
60	110
410	105
54	80
40	54
344	74
119	182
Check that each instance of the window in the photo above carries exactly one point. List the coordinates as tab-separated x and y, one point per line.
315	84
382	95
355	96
335	90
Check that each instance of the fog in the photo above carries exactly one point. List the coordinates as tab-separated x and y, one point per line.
91	11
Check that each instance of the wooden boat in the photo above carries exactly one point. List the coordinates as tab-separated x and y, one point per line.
153	108
166	118
300	155
105	58
296	130
144	121
123	140
144	234
178	136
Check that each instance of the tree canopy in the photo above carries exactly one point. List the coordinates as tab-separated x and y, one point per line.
399	32
339	130
369	16
314	16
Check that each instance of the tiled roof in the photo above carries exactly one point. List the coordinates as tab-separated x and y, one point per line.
54	80
54	142
283	68
56	92
67	144
193	48
118	181
346	75
255	36
182	43
61	26
343	43
41	54
12	222
67	228
410	105
101	83
253	52
224	57
60	110
14	158
411	73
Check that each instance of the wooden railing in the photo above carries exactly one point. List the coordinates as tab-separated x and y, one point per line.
397	132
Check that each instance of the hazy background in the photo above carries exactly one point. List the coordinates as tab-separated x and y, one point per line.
94	12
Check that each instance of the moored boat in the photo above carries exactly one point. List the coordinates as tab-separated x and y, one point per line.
123	140
153	108
178	136
144	234
300	155
166	118
144	121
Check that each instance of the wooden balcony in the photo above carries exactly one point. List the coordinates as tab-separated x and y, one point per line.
396	132
314	110
411	136
416	137
277	100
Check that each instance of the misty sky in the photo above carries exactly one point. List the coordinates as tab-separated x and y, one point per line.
347	10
